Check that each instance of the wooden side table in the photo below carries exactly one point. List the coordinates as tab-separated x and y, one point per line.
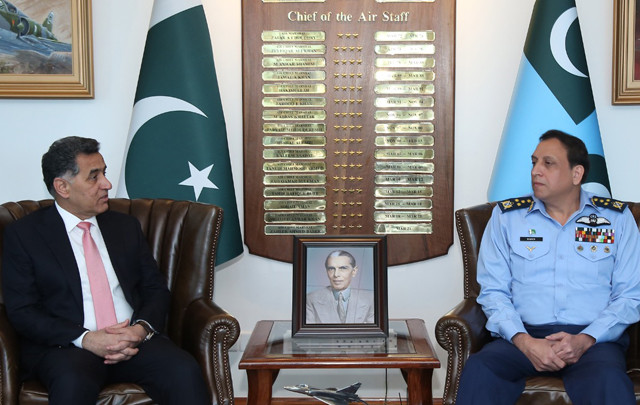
271	349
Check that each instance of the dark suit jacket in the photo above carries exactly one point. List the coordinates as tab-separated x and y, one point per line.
41	281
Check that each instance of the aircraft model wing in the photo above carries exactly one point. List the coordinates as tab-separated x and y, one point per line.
350	389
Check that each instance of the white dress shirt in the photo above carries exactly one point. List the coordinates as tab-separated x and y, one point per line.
122	307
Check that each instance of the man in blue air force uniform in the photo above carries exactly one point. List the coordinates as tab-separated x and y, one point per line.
560	282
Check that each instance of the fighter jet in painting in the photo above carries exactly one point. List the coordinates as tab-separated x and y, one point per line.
14	20
330	396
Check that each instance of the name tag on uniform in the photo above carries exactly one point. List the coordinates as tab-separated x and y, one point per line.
531	239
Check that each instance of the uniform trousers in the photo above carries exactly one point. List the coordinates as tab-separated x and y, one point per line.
168	374
496	374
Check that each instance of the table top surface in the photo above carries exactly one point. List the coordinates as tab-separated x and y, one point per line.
272	347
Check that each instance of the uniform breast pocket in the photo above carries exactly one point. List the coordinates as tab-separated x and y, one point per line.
595	263
528	259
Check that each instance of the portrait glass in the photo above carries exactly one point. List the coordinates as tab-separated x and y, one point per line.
339	286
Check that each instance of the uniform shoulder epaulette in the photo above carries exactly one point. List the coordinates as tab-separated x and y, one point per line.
605	202
515	203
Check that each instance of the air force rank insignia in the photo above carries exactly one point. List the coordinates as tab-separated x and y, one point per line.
515	203
609	203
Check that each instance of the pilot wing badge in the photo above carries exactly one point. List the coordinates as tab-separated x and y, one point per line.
593	220
331	396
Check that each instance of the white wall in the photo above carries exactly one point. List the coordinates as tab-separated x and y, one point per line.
490	37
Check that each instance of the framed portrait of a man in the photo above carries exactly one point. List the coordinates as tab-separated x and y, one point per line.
340	286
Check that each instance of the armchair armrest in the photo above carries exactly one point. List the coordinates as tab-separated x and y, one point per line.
208	334
9	361
460	332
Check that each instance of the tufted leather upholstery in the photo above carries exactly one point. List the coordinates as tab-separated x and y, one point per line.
183	237
461	331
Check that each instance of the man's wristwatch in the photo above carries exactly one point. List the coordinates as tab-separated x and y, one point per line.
147	328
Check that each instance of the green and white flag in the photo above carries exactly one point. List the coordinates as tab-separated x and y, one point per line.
552	91
177	145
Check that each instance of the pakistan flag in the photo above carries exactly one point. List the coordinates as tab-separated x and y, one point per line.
553	91
177	145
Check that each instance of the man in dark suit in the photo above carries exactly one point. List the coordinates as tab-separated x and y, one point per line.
57	308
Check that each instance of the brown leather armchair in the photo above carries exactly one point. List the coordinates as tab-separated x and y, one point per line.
462	330
183	237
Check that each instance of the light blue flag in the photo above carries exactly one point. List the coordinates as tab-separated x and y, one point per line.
177	146
552	91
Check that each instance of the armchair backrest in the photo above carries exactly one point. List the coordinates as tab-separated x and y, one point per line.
470	224
183	238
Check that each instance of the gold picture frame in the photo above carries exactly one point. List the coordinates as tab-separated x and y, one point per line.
626	54
77	84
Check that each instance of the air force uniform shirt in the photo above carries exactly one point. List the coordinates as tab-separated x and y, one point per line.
534	271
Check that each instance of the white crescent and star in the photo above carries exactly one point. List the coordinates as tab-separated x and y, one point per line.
558	41
147	109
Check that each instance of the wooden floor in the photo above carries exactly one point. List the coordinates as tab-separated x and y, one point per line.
312	401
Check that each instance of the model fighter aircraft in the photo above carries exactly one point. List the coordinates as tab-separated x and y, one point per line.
330	396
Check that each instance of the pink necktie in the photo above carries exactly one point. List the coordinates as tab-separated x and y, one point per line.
100	291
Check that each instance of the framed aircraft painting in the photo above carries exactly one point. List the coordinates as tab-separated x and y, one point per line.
626	52
46	49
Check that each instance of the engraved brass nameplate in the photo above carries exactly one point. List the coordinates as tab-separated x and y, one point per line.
396	36
404	192
404	88
403	228
403	204
295	229
283	62
404	179
289	205
420	140
292	217
405	62
404	154
293	192
402	216
294	115
284	36
292	49
294	128
386	102
295	179
400	76
417	128
405	49
269	167
405	167
273	75
294	88
288	140
404	115
294	153
294	102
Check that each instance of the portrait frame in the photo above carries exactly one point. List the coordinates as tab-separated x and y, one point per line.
309	274
78	84
626	52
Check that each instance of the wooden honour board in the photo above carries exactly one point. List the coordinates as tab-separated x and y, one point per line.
348	123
